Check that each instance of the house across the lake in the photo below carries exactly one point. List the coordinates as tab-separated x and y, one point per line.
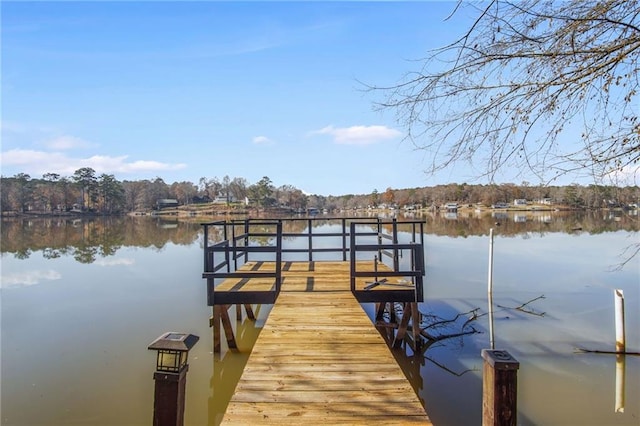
224	199
500	206
164	203
451	207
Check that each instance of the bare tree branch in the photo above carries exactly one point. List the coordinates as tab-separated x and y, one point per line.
534	85
524	307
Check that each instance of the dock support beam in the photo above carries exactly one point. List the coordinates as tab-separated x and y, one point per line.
404	324
410	320
499	388
221	315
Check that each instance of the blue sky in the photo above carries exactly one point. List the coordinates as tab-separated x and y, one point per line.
207	89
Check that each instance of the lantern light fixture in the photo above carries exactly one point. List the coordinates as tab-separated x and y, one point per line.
172	351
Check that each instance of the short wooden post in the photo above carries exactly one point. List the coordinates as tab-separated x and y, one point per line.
169	398
172	350
499	388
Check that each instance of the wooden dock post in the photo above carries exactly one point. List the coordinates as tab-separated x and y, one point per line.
499	388
172	350
221	315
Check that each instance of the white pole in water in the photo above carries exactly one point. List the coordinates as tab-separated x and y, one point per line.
618	296
619	304
490	289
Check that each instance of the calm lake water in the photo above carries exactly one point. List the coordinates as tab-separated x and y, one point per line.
82	299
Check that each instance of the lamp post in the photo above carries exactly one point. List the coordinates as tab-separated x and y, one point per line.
172	350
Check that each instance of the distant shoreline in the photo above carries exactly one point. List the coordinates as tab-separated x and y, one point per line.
208	210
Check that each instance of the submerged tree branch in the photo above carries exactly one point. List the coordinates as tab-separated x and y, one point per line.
523	307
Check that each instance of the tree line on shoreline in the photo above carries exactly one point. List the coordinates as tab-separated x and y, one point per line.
87	192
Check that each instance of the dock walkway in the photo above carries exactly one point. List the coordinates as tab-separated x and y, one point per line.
320	360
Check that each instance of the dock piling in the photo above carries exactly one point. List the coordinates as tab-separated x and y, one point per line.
499	388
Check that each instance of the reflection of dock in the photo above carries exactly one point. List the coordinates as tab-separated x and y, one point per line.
319	359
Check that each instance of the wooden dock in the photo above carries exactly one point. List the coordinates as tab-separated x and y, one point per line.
319	359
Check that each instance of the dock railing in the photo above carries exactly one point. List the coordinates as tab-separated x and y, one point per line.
415	272
222	258
228	245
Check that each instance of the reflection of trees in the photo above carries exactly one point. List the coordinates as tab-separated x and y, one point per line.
296	226
54	253
23	253
90	238
59	236
85	254
263	241
523	223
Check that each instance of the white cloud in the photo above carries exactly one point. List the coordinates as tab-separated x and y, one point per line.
359	135
28	278
22	157
39	162
262	140
115	262
66	142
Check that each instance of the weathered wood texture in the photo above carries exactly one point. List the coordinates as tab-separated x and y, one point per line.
499	389
309	276
319	360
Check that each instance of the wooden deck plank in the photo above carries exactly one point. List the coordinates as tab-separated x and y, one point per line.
326	276
324	410
320	360
320	396
294	418
322	414
286	368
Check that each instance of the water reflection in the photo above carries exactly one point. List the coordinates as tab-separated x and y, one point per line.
89	239
81	299
620	380
228	365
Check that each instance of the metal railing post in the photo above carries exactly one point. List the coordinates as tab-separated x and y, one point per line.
206	247
344	239
310	227
246	239
396	261
352	255
278	256
233	246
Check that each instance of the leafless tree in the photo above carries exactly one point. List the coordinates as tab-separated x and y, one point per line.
541	86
